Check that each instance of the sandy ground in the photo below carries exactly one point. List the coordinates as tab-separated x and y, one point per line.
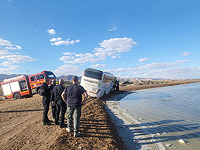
21	124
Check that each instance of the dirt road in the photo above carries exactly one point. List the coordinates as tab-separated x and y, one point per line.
21	125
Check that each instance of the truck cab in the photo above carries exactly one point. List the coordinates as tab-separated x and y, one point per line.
37	79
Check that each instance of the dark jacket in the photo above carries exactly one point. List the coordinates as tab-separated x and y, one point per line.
51	90
56	94
46	94
51	87
74	95
45	90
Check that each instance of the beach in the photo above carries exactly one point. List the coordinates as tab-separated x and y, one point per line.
22	128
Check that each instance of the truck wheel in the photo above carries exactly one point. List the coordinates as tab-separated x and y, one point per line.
17	96
39	92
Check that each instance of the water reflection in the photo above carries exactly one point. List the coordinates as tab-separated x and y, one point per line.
147	95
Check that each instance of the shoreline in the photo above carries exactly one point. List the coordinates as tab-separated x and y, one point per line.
130	88
125	125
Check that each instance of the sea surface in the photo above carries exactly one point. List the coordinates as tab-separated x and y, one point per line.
169	113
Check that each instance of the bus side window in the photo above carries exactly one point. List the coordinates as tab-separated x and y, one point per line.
105	79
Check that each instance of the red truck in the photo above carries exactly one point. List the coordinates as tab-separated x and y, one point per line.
24	85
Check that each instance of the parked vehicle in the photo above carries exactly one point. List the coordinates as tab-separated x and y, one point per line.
24	85
97	83
37	79
16	87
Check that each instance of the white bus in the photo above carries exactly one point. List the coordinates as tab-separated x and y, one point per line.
97	83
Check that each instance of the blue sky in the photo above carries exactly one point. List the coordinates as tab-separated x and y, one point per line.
146	38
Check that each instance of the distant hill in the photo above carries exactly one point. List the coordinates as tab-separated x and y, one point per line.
67	77
134	79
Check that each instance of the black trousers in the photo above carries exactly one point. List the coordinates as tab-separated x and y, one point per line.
53	108
61	107
45	111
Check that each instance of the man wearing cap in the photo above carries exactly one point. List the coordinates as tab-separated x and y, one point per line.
61	105
46	94
72	95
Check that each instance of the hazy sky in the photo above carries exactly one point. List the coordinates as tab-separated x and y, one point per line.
129	38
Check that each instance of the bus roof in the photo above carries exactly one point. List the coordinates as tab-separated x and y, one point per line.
95	70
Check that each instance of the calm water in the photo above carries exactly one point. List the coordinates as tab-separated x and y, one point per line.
171	113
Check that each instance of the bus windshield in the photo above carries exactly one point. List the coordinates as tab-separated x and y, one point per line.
50	75
95	74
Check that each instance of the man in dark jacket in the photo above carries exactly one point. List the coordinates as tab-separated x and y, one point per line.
46	94
61	105
53	107
73	95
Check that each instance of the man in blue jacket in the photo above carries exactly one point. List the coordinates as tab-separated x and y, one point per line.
61	105
73	96
53	107
46	94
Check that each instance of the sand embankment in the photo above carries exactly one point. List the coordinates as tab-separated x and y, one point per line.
21	124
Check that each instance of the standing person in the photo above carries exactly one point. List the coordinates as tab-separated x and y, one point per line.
61	105
116	84
45	92
73	95
53	107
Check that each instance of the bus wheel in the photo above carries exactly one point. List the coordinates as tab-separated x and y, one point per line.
17	96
